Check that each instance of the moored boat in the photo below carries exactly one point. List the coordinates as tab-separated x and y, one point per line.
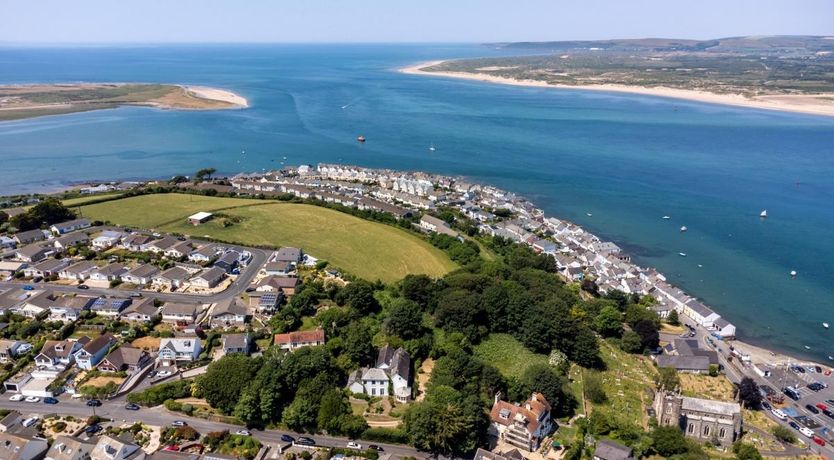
763	214
684	229
825	325
361	138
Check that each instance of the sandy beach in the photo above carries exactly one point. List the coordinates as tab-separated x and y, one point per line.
215	94
822	104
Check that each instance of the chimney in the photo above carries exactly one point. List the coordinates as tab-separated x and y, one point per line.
497	397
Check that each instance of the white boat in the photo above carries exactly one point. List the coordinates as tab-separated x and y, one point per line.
682	254
684	229
589	214
763	214
793	273
666	217
700	266
825	325
807	347
431	148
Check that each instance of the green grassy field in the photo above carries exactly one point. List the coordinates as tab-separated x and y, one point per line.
366	249
507	354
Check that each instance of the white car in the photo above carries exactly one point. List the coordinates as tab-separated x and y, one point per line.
779	414
354	445
30	421
806	431
16	397
163	373
243	433
32	399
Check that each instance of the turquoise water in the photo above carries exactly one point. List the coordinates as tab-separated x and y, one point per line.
628	160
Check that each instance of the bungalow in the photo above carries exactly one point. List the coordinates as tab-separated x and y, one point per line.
179	313
37	304
141	275
70	448
70	226
46	268
288	254
7	243
179	250
285	284
111	448
209	278
29	236
94	351
294	340
106	240
228	261
110	272
135	242
435	225
204	255
9	350
172	278
161	245
69	308
265	302
21	446
109	307
228	313
62	243
34	253
140	312
124	358
236	343
277	269
172	350
58	353
79	271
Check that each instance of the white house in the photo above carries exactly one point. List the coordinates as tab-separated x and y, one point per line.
106	240
172	350
172	278
209	278
141	275
393	367
58	354
110	272
70	226
94	351
179	313
79	271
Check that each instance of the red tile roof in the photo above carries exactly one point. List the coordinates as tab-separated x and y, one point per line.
301	336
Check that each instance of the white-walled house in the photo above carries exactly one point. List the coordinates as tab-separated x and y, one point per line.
182	349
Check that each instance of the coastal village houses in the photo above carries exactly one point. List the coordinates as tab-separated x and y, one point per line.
521	425
292	341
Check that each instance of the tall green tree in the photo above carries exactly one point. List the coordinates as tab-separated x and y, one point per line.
222	383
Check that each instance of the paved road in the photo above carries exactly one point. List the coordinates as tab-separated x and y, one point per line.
159	416
243	280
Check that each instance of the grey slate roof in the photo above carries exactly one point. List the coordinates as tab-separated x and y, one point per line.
686	363
610	450
710	406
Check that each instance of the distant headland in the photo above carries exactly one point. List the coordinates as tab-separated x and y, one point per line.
771	72
37	100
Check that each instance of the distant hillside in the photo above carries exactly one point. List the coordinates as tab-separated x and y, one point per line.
768	43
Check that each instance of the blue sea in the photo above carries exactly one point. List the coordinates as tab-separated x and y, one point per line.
628	160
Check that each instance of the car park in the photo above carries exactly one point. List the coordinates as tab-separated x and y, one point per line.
50	401
16	397
812	409
132	406
32	399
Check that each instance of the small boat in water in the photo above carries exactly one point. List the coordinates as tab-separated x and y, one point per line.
682	254
361	138
589	214
807	347
432	148
666	217
684	229
763	214
825	325
793	273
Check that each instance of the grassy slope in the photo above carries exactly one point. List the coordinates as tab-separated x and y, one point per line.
366	249
507	354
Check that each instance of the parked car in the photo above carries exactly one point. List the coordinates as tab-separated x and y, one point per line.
791	393
354	445
32	399
794	425
828	413
28	287
37	279
163	373
305	441
94	403
50	401
243	433
30	421
812	409
765	405
92	429
135	294
132	406
16	397
806	432
821	406
779	414
375	447
287	438
818	440
179	423
83	286
815	386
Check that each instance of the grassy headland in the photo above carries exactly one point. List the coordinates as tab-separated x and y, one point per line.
366	249
28	101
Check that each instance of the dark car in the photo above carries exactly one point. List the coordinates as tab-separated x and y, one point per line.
287	438
828	413
815	386
132	406
28	288
375	447
765	405
92	429
794	425
50	401
305	441
94	403
791	393
83	286
812	409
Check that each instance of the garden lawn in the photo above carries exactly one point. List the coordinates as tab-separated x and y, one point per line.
369	250
507	354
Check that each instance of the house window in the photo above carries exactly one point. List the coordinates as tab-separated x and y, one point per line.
706	430
691	428
721	433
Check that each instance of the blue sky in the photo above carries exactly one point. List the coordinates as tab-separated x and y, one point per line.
132	21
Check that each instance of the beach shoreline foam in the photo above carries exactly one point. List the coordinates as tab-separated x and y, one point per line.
822	104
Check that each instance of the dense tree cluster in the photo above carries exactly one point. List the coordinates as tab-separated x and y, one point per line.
47	212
